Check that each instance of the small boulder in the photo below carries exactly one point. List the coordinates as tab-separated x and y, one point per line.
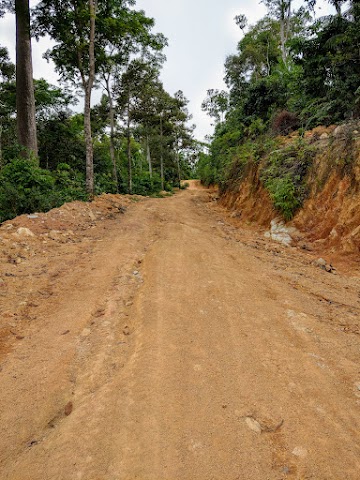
279	232
68	409
92	216
339	131
300	452
320	262
24	232
253	424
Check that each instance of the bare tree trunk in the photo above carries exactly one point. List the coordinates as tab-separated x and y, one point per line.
285	21
87	107
148	155
178	166
25	98
129	150
282	39
1	130
161	155
112	133
337	6
88	144
268	59
1	165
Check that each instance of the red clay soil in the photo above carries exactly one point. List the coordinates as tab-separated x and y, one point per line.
161	342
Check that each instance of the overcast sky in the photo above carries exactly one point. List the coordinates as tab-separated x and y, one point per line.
201	34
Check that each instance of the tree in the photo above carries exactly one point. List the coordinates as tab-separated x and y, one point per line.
83	52
241	21
281	10
7	68
119	55
25	99
216	104
72	25
7	74
330	65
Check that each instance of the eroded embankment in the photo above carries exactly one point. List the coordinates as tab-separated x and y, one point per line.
329	217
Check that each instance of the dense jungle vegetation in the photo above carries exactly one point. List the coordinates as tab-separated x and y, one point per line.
136	140
291	72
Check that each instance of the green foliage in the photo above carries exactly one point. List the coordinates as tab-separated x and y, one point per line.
330	71
284	196
143	184
25	188
216	104
69	184
206	172
148	126
284	175
289	72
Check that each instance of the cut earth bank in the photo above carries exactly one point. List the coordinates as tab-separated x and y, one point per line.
329	220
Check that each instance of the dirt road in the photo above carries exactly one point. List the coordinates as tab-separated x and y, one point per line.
166	344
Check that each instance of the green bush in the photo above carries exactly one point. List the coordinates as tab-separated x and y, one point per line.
104	183
284	196
26	188
69	183
143	184
284	176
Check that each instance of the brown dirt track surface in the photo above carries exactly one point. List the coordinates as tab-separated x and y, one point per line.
164	343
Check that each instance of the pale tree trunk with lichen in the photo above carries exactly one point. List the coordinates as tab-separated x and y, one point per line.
25	97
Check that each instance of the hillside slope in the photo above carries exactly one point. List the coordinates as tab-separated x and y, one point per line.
329	217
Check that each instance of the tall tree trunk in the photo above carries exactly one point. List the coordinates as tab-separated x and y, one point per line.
161	155
282	39
87	107
148	155
25	98
129	149
88	144
285	20
178	166
1	161
112	133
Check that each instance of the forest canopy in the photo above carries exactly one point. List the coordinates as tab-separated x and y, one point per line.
137	139
291	71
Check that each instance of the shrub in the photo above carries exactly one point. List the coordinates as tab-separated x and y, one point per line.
69	183
284	196
284	175
284	122
143	184
26	188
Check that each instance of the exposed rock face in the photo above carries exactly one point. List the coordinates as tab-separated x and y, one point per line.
281	233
